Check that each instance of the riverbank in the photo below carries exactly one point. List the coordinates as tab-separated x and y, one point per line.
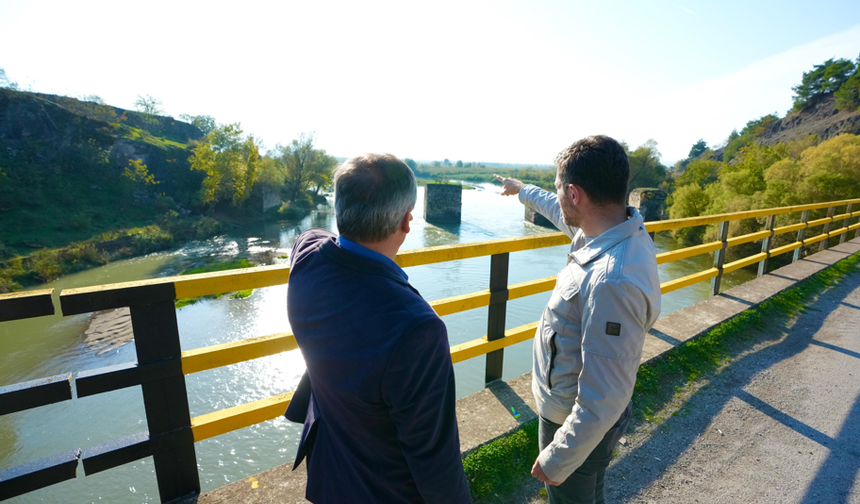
167	231
683	351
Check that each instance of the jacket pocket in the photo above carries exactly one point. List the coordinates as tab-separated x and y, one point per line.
552	351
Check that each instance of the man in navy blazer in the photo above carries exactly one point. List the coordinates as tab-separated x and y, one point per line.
380	424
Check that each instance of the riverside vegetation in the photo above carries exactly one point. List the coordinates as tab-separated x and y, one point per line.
83	183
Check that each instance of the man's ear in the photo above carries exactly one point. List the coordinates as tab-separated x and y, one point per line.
404	224
576	194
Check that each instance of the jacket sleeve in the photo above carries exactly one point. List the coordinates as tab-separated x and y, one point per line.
418	387
546	204
609	366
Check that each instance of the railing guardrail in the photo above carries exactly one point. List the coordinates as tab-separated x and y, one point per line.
161	364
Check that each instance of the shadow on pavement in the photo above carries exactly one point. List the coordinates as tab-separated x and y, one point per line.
667	443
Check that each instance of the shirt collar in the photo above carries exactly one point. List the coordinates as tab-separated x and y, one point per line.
362	251
609	238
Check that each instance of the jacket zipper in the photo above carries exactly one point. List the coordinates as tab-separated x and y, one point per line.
551	361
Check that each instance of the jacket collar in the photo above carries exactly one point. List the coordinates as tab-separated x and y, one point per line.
344	257
609	238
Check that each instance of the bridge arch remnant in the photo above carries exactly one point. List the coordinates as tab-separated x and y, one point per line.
443	203
650	201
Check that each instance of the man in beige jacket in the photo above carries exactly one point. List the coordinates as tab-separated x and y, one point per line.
589	341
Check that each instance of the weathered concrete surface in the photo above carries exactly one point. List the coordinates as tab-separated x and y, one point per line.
443	203
537	218
486	415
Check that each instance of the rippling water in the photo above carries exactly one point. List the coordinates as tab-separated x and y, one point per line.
52	345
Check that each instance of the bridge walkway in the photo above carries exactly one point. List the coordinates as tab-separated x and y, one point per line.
781	423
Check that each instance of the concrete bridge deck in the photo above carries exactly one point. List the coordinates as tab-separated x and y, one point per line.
780	424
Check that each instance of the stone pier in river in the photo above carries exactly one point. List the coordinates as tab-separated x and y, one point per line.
443	203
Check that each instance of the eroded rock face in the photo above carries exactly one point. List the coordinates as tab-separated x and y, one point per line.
820	118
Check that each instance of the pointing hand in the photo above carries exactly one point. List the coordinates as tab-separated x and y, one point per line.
512	186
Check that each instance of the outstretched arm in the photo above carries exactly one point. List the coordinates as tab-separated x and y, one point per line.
539	200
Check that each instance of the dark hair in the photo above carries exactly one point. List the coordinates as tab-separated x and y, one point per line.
372	194
599	165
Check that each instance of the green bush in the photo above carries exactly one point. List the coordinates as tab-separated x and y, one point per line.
150	239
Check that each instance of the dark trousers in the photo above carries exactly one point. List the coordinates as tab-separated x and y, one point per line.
585	485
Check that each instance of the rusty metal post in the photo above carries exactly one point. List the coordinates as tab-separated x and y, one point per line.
766	245
830	212
801	234
720	258
845	223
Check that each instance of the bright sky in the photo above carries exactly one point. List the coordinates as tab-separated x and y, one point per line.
492	81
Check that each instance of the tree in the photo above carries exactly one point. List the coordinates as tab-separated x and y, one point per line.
5	82
645	167
304	167
411	163
459	164
204	123
700	172
230	161
98	100
827	77
697	150
148	105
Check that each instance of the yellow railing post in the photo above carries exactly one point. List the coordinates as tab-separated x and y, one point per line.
766	245
720	258
830	212
847	220
496	314
801	234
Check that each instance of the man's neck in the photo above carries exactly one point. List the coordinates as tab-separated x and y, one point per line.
601	219
387	247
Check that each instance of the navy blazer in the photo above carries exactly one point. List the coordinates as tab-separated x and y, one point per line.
379	363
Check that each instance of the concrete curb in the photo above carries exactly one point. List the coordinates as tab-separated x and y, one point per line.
488	414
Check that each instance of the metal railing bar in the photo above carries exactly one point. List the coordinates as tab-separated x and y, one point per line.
35	393
740	263
676	255
751	237
38	474
27	304
679	283
211	357
238	417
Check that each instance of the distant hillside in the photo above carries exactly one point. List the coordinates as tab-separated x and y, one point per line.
63	162
820	117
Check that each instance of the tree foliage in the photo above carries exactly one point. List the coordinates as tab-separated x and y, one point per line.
230	161
848	94
204	123
304	167
646	170
748	134
148	105
827	77
6	82
697	149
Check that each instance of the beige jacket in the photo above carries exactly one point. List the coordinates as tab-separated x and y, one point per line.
589	341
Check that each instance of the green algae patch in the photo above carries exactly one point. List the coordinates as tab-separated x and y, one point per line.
209	268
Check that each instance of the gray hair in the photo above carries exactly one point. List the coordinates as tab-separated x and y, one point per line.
372	194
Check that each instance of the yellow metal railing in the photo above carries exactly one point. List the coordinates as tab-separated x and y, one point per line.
202	359
154	321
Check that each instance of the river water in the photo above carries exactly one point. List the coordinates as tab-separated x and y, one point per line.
36	348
